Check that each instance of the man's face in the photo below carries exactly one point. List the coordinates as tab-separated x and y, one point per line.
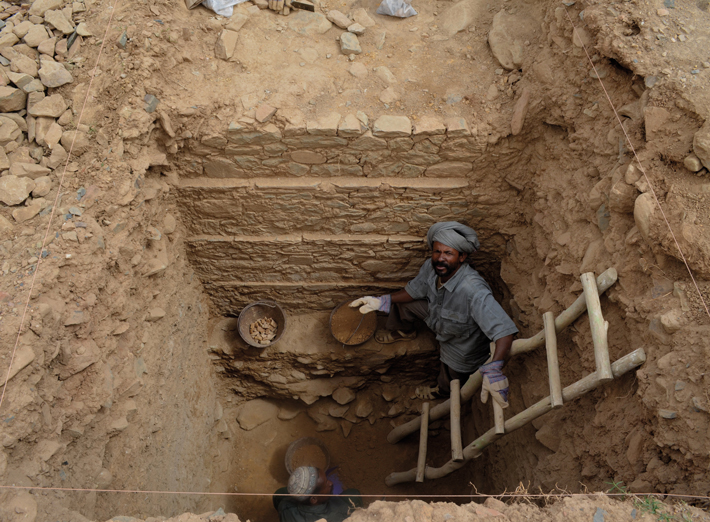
323	487
446	260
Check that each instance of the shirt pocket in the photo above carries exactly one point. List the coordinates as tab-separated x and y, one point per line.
455	324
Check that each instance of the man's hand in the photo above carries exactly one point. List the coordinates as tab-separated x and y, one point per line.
369	304
494	383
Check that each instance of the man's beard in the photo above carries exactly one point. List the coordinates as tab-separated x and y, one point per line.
449	270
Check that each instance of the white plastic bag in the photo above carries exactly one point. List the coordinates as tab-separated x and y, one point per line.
222	7
398	8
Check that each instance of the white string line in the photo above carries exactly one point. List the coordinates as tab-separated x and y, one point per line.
643	171
54	206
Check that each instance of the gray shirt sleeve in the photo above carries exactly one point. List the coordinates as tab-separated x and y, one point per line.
490	316
417	288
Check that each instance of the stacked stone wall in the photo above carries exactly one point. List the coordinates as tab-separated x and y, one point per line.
310	213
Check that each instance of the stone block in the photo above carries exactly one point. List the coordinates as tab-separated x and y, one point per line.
351	127
334	169
368	142
449	169
240	136
457	127
400	144
315	142
221	168
419	158
392	127
264	113
248	150
326	125
307	157
428	126
214	140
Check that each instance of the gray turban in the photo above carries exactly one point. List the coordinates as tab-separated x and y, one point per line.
454	235
302	482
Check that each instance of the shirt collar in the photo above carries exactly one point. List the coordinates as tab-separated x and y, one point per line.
451	283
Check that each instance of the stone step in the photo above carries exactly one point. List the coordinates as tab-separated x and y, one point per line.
230	297
306	258
264	206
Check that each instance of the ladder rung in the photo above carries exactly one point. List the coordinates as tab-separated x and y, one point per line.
598	326
498	417
456	444
423	437
553	366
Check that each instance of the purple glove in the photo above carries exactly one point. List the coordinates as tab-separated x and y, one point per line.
332	475
494	383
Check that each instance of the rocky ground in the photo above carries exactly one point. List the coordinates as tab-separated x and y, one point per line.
118	380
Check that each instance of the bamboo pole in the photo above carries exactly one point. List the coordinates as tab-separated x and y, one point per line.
423	441
553	365
599	328
456	444
562	321
571	392
498	417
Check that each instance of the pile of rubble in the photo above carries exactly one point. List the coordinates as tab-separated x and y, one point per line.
39	46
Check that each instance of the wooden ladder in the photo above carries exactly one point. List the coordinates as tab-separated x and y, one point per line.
605	372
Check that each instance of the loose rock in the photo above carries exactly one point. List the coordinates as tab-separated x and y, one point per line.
57	20
51	107
14	190
339	19
226	44
12	99
692	163
54	74
361	17
349	44
356	29
701	145
43	185
384	74
504	46
358	70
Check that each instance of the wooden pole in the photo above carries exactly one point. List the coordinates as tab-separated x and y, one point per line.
562	321
456	444
599	327
498	417
553	366
571	392
423	441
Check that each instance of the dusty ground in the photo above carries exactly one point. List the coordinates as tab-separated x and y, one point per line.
123	388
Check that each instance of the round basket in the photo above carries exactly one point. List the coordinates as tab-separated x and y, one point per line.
303	443
260	310
349	326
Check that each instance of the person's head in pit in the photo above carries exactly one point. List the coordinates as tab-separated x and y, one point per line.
307	481
446	260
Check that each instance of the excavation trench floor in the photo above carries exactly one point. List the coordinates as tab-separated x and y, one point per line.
253	462
382	380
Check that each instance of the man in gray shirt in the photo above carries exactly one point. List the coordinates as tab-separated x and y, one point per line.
457	304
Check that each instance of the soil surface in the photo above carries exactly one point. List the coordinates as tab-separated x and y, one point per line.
125	377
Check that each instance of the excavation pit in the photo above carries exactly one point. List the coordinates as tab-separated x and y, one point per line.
296	173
